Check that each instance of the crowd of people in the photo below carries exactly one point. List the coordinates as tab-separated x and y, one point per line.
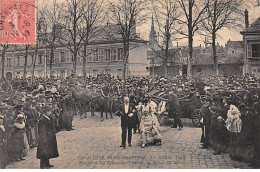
229	111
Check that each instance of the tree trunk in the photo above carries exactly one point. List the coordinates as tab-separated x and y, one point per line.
84	62
34	62
125	60
190	30
74	64
3	62
189	68
215	58
25	61
165	68
51	59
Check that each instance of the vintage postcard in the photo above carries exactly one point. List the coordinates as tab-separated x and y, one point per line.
130	84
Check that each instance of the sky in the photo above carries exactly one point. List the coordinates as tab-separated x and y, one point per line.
224	34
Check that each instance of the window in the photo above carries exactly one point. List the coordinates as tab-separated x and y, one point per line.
8	62
78	58
39	59
18	61
89	56
95	73
62	57
62	73
113	54
72	58
120	54
107	55
56	58
95	56
255	50
32	57
48	56
100	55
107	71
120	72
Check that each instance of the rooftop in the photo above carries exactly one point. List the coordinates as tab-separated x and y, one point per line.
253	29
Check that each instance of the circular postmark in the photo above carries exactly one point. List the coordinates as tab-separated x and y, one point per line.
17	21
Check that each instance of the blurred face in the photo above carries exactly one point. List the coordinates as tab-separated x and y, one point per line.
126	100
1	121
49	112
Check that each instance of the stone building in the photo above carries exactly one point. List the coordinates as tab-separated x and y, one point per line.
104	55
230	58
251	40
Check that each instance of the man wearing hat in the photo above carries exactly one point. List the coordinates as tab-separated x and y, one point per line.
3	136
47	146
174	110
31	122
205	113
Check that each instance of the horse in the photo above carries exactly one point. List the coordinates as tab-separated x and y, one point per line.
89	100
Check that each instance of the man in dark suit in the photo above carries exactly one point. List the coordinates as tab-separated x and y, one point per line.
47	146
127	113
68	107
174	110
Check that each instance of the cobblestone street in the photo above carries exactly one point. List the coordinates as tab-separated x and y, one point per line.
94	145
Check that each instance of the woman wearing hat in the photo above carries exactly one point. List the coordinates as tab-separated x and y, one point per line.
3	152
16	143
47	145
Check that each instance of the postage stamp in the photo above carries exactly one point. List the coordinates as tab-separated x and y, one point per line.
17	21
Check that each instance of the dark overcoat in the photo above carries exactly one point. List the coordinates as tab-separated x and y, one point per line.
47	146
173	105
125	119
3	151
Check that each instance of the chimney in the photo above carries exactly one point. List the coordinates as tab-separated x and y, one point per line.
246	19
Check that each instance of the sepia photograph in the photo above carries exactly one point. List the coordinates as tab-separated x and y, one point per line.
130	84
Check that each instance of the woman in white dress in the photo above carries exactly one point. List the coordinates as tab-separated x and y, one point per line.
149	126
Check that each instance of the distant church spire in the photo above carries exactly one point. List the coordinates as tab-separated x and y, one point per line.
153	36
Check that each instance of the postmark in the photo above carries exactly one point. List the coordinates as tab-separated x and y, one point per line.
17	21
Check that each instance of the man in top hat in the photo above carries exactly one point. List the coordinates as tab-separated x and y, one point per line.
47	146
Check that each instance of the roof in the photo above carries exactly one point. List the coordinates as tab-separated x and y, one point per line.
234	44
158	54
107	34
253	29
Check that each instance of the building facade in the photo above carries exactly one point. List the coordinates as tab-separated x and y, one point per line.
104	55
251	40
230	58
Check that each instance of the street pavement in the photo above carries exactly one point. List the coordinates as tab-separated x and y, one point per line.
95	145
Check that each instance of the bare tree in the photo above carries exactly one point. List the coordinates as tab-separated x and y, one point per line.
192	11
41	29
50	18
73	11
222	14
166	15
91	21
126	14
4	48
26	47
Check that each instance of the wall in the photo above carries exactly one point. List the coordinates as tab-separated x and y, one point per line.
138	60
138	63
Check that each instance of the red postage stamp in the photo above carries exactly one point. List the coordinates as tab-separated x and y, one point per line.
17	21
